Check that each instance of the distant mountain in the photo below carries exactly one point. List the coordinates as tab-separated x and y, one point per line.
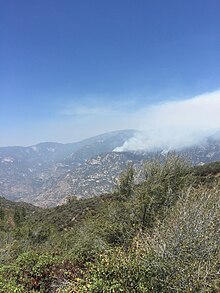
206	152
95	176
26	171
47	173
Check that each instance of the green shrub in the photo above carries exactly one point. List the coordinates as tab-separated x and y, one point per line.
186	246
165	180
31	271
113	271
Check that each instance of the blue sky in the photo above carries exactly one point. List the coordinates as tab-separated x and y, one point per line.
72	69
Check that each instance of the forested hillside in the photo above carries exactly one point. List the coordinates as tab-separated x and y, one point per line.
162	235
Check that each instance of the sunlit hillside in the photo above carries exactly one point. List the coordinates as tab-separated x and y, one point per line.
161	235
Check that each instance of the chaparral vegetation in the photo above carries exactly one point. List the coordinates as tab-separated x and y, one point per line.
158	235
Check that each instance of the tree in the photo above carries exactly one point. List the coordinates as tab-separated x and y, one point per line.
2	214
165	179
126	183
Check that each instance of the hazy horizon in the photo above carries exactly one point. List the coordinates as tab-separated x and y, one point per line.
71	70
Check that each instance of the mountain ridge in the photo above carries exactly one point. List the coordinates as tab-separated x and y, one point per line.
47	173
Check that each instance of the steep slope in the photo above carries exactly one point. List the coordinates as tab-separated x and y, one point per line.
98	175
208	151
122	240
95	176
47	173
25	170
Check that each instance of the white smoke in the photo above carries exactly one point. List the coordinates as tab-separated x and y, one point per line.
176	124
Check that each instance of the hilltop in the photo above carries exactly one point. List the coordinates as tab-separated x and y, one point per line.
149	237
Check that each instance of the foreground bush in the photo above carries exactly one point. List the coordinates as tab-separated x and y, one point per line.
181	254
161	235
165	180
186	246
114	271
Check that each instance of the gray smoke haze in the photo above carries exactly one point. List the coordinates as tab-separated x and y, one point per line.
168	125
176	124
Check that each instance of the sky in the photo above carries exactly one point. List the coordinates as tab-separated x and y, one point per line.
73	69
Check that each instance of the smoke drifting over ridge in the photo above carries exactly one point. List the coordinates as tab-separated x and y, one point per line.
176	124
